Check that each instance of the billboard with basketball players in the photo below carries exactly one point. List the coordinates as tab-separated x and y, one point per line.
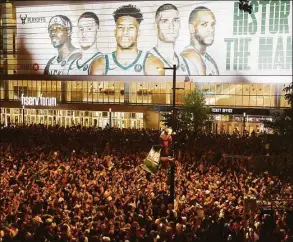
146	37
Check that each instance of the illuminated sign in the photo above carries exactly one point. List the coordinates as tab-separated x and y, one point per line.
222	110
38	101
116	38
34	67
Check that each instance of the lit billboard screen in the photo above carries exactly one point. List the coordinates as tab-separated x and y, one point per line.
146	37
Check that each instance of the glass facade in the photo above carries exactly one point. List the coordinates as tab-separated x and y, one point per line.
71	117
96	92
86	101
146	93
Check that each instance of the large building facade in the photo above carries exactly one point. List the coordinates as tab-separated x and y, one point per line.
247	61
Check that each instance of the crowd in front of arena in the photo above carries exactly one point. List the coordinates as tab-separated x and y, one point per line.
86	184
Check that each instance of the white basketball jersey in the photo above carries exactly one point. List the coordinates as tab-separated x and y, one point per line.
210	65
55	67
137	67
182	63
82	69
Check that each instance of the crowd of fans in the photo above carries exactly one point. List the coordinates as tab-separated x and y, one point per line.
86	184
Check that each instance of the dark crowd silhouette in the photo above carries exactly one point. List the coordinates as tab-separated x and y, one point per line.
86	184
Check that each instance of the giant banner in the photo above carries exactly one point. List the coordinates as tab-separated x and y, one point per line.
150	37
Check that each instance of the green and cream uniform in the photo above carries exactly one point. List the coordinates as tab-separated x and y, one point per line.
181	62
137	67
210	65
77	68
57	67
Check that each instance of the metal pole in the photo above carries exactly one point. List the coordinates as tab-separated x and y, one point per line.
291	129
174	98
244	124
172	164
110	117
23	115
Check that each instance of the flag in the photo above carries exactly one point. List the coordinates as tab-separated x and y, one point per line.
152	161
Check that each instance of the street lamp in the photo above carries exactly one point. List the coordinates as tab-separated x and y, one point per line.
23	115
244	123
172	164
110	117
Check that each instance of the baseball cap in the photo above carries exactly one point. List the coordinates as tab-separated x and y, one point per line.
61	20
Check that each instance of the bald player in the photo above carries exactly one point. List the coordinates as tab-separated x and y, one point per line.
60	30
202	25
88	30
168	26
127	59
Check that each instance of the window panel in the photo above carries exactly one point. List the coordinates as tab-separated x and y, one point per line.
245	100
268	100
232	100
222	100
226	88
219	88
252	100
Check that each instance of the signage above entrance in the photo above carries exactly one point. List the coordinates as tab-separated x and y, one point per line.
222	110
38	101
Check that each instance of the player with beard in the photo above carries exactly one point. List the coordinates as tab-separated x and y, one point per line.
168	26
127	59
202	25
60	30
88	29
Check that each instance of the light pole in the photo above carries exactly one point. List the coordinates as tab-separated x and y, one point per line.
110	117
172	164
244	123
23	115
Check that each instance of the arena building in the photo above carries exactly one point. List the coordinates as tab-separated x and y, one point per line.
102	63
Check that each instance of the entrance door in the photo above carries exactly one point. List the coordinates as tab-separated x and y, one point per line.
105	122
63	122
33	119
86	121
100	122
41	119
76	120
7	120
2	118
133	124
67	121
95	124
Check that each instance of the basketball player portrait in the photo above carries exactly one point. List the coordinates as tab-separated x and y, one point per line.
60	30
167	21
127	59
202	24
88	30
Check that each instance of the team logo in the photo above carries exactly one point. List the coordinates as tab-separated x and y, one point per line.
36	67
63	63
138	68
23	19
85	67
183	68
